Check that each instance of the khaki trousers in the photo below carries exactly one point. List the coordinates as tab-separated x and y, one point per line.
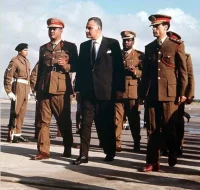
21	102
130	109
59	106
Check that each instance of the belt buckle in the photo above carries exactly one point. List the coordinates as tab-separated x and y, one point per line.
53	68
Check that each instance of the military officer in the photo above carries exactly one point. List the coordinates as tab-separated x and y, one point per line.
18	71
189	95
129	105
162	91
54	88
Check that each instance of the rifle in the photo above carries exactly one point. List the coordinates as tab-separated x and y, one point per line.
13	116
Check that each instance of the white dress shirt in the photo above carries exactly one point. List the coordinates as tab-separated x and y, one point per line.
97	44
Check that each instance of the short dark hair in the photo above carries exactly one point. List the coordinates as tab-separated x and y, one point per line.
166	23
97	20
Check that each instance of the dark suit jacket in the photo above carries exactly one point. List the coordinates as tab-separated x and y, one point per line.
106	76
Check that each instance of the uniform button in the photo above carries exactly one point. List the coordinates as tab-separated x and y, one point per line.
159	69
159	52
158	78
158	60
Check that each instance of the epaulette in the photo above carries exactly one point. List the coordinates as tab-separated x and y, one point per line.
14	58
176	40
43	45
68	42
138	51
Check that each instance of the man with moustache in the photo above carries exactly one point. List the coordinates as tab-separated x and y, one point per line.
100	80
164	60
129	105
53	86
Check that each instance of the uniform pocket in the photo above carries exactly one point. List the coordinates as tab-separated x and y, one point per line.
132	89
171	88
62	83
168	60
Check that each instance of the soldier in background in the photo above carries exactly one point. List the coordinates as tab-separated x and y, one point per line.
189	95
17	87
56	59
33	79
129	104
164	60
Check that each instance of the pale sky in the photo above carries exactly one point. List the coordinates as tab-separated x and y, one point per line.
25	21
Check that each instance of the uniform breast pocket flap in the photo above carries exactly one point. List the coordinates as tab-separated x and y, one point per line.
62	86
171	88
168	58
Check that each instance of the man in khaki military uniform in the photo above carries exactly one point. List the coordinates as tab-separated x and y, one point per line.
54	88
189	95
129	105
162	90
33	80
18	71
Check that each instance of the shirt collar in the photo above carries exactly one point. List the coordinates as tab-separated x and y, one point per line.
129	51
56	43
98	41
163	39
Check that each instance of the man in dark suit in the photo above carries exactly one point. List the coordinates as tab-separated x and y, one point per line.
100	80
163	89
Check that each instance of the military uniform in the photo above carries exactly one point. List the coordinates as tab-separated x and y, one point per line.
54	89
160	89
189	94
33	79
129	105
16	81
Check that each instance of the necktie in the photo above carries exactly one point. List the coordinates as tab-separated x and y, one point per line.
94	52
53	46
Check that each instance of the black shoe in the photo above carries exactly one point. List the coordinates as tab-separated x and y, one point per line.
15	140
22	139
136	146
80	160
109	158
67	153
164	153
136	149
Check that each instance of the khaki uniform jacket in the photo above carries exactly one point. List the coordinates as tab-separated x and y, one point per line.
132	80
190	86
159	80
18	68
51	77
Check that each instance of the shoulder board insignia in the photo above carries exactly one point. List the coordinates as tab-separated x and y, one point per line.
176	40
139	51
